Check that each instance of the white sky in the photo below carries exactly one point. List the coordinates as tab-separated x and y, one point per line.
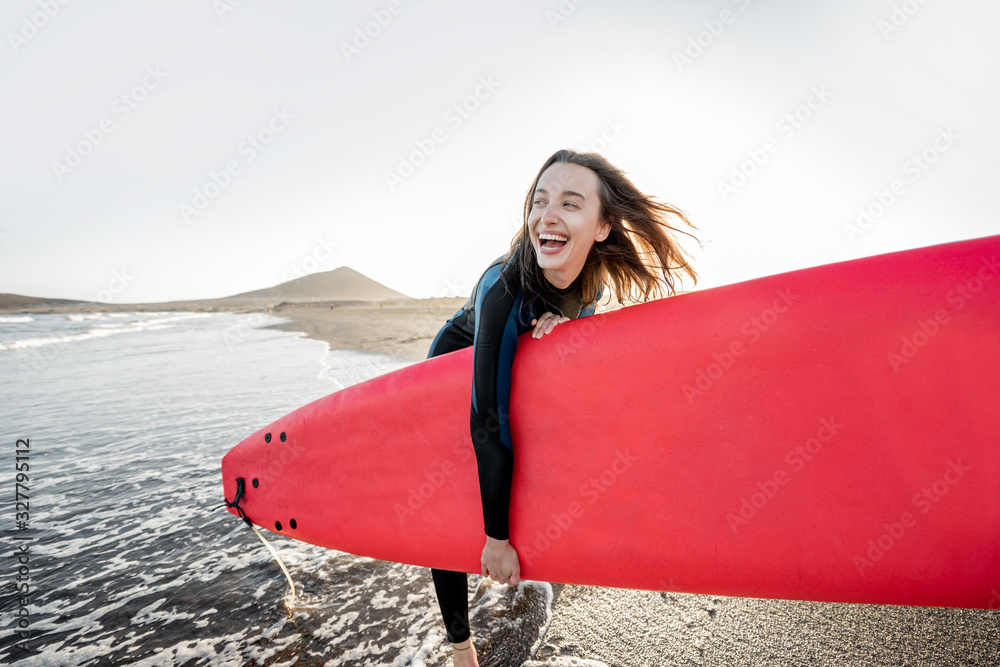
111	228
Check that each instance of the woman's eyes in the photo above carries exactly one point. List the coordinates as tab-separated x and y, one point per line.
541	202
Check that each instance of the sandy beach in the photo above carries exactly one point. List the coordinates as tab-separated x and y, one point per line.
404	328
642	628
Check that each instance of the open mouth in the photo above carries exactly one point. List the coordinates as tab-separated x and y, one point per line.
551	241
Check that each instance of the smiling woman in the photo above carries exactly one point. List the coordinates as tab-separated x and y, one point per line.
639	254
586	227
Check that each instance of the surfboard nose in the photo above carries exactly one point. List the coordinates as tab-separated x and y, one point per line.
252	475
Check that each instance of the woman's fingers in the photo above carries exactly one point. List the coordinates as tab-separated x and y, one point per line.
501	564
515	575
539	324
546	323
500	577
555	321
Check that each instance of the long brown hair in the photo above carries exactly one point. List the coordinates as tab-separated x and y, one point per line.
640	259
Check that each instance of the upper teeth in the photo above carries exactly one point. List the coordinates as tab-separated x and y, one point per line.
551	237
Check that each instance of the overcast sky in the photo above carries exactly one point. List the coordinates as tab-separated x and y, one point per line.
183	149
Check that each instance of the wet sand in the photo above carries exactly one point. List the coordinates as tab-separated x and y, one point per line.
591	626
624	627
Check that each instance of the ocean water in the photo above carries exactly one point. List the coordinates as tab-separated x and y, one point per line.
125	555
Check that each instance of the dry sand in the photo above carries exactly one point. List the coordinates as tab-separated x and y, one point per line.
404	328
641	628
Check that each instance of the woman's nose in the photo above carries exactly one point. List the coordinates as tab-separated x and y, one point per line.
550	214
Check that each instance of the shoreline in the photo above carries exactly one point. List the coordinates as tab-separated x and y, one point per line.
403	329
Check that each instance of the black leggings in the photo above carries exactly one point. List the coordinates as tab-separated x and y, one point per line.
451	587
453	599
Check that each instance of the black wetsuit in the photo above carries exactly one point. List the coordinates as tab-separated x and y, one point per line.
490	321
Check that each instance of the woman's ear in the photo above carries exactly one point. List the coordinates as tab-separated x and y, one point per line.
603	231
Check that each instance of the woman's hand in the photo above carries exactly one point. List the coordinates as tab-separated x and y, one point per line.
500	562
546	323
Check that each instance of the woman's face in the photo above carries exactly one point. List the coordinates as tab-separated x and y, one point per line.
564	221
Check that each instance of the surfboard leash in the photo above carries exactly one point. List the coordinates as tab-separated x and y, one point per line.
290	598
240	490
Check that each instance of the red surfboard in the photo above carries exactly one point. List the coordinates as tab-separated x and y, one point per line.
828	434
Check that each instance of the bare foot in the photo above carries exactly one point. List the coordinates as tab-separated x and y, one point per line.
464	654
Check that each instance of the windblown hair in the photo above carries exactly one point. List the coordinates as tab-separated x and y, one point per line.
640	259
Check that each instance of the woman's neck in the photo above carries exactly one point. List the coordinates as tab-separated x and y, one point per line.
561	280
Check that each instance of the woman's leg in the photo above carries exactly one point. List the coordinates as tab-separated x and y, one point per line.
453	599
452	587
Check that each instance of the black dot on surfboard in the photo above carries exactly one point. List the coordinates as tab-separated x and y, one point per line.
277	525
282	436
267	437
255	482
293	524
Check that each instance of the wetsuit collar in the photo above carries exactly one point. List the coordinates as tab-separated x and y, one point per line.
572	286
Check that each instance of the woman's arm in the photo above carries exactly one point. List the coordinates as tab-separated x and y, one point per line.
493	357
494	345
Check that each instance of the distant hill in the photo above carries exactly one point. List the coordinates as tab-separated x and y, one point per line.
341	284
16	301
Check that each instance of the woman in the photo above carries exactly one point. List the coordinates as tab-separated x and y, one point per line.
585	226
